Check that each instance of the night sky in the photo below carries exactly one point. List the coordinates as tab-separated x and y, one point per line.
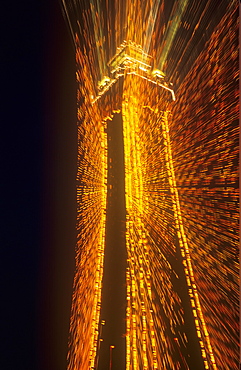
38	156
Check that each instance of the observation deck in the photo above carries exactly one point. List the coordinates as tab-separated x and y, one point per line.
131	59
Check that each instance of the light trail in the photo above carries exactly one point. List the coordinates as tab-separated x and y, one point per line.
151	25
171	31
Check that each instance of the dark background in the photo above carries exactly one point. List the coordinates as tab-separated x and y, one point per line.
38	157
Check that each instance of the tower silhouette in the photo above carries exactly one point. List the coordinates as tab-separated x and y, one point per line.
156	188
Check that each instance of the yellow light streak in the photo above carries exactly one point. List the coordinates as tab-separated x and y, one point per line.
91	220
185	249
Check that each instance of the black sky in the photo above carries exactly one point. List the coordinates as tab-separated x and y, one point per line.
38	156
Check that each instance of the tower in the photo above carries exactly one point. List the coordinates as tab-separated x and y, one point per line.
169	286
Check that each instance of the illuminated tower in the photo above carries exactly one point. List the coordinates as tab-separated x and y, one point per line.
180	171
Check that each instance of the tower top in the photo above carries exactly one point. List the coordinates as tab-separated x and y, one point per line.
130	58
129	55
